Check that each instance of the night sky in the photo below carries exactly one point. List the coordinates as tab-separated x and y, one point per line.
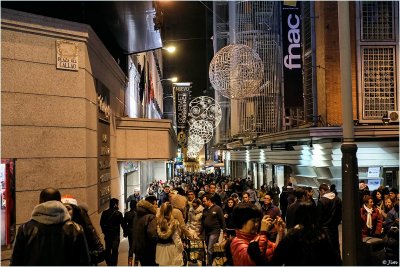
188	26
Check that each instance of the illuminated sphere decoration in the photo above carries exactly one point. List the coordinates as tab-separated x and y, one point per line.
195	143
236	71
204	108
203	129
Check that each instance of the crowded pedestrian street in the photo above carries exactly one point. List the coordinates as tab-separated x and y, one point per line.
200	133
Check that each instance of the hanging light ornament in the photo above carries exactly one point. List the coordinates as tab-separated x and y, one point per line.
204	108
192	154
236	71
203	129
195	143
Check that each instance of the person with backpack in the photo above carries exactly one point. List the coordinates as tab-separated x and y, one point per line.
128	230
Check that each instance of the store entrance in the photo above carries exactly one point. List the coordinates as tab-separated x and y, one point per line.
7	180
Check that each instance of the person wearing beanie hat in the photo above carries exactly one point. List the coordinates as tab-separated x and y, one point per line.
71	204
80	216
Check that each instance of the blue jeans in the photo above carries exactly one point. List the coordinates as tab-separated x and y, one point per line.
211	239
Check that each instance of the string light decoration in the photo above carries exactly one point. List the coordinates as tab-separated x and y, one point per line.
236	71
203	129
204	108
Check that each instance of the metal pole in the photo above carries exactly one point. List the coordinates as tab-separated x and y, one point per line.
351	233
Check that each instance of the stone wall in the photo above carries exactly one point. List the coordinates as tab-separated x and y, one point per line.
49	115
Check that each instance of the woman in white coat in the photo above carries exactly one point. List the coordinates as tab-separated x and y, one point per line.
169	245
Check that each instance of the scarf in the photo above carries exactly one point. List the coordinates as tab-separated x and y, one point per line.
369	216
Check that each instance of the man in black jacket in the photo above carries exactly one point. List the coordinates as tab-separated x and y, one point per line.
145	231
110	222
50	237
329	212
212	223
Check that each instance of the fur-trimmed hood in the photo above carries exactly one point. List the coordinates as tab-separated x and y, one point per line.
145	207
50	212
329	195
172	226
178	202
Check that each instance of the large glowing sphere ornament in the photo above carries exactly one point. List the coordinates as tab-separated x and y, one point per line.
203	129
204	108
236	71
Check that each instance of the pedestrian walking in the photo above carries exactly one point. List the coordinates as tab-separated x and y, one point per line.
212	223
129	217
169	244
50	237
80	216
111	221
96	248
145	231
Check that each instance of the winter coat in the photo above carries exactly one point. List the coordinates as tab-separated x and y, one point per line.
390	220
376	223
145	232
110	222
50	238
169	245
128	222
329	214
96	248
229	221
301	247
239	246
178	202
271	210
194	220
329	210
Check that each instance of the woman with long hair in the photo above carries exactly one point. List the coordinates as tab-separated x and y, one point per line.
79	214
377	197
169	245
228	211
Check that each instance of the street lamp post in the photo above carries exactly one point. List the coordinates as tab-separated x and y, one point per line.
351	233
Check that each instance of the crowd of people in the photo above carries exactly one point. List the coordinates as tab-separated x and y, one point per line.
252	226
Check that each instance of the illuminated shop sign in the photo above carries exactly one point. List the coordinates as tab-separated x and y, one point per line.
292	62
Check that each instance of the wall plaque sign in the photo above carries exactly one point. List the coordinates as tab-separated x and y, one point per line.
103	146
67	55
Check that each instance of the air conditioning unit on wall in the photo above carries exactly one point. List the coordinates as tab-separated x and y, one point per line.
393	116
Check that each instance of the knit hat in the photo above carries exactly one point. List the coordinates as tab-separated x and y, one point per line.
68	199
